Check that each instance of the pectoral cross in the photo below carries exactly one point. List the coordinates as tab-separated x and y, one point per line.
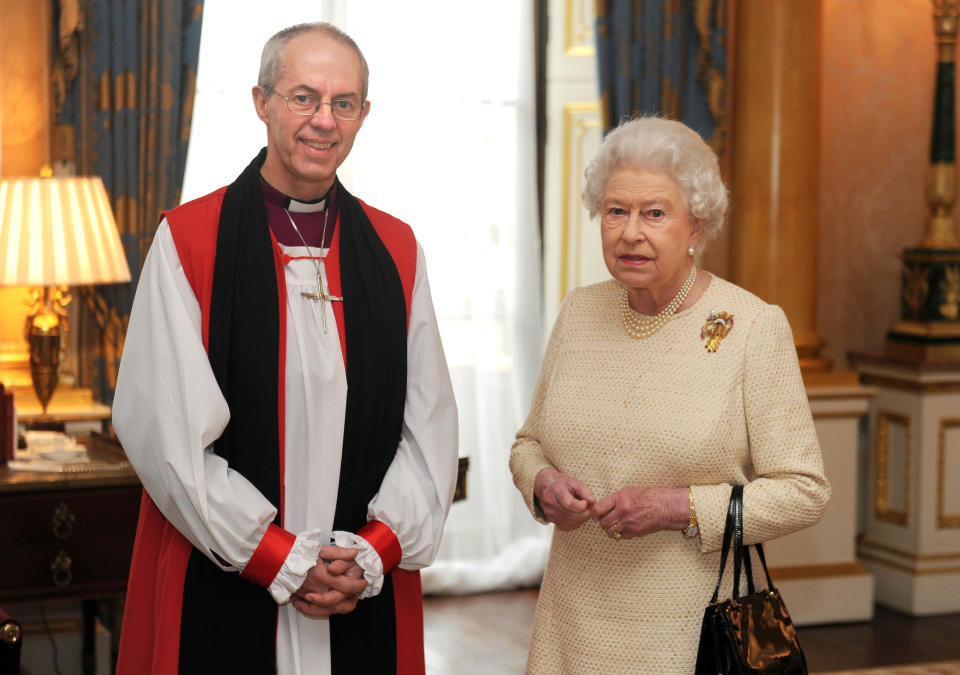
323	297
321	293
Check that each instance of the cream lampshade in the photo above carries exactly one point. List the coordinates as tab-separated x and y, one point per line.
56	232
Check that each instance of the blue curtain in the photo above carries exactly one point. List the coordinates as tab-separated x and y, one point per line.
666	58
124	80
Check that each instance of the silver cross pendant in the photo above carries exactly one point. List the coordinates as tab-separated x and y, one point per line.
323	297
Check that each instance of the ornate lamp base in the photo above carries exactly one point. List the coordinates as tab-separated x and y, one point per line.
45	330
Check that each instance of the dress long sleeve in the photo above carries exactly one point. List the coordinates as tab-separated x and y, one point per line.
168	412
787	488
527	456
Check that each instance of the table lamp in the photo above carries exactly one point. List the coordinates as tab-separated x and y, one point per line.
55	232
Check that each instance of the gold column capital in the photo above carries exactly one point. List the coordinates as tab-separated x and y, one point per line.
945	19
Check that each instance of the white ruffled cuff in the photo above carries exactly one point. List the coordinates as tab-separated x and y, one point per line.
293	572
367	558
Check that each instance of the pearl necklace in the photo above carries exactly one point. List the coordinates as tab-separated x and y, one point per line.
639	328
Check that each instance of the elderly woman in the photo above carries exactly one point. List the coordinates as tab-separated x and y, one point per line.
659	390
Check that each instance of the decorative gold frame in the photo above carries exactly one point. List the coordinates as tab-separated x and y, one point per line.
577	35
577	117
882	501
944	520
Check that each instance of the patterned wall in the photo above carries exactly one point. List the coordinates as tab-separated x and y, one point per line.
878	78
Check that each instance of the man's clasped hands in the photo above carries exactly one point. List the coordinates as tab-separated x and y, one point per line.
332	586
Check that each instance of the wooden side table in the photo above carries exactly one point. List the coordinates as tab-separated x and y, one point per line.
69	536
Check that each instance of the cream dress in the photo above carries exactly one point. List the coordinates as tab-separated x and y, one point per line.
662	411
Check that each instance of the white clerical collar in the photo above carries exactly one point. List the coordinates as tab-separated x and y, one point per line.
306	207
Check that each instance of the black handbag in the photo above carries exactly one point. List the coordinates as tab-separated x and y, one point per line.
749	634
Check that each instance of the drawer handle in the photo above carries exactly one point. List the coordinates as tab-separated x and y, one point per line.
63	520
10	632
60	569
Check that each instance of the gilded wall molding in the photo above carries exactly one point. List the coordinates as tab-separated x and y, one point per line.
836	414
863	542
910	385
878	560
945	520
578	120
578	19
882	506
818	571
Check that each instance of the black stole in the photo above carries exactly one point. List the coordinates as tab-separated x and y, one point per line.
228	623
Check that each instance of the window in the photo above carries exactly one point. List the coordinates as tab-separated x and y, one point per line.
448	147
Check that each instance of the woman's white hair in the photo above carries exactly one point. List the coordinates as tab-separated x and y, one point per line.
667	147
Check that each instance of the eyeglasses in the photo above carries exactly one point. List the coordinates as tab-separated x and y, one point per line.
307	105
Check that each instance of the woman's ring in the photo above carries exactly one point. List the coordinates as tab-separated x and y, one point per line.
615	531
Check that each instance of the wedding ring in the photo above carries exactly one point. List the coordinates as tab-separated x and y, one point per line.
617	535
615	531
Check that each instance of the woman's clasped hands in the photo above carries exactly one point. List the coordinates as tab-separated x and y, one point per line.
631	511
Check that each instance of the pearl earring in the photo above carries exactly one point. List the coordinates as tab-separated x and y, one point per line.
691	251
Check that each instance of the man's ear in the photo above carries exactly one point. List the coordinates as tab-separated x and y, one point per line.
259	102
366	111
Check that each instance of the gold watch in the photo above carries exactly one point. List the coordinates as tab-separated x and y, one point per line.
693	529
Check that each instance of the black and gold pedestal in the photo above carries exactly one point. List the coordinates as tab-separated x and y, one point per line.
929	329
911	542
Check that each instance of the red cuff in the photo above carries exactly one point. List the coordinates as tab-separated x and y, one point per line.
384	542
269	556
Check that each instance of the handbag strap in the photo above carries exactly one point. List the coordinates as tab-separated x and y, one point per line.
763	561
738	516
748	570
736	507
733	535
741	553
727	536
745	550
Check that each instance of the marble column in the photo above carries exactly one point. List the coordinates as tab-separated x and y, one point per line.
775	163
773	253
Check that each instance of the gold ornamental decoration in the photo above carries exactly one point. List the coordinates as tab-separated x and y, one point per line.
950	292
916	286
717	327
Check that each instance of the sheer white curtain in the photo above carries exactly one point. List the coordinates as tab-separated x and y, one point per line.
448	147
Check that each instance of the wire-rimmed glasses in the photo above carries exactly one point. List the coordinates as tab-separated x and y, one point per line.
305	104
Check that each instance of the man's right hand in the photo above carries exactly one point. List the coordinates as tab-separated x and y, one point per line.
332	585
565	500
